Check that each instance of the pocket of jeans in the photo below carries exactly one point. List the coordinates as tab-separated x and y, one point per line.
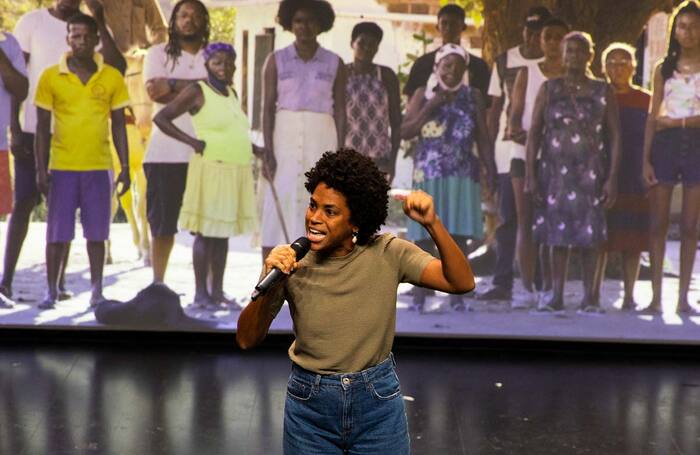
298	390
387	387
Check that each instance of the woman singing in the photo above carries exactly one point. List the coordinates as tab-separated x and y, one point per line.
342	298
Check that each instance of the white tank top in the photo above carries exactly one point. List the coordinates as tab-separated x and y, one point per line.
682	95
535	79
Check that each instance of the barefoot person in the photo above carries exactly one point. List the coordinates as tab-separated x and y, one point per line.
628	220
342	298
672	150
219	199
41	34
79	96
13	86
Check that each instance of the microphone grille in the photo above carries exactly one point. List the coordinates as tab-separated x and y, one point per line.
301	246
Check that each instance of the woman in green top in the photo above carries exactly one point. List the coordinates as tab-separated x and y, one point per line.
219	200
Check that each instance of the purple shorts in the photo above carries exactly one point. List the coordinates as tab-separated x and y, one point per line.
675	156
25	173
91	192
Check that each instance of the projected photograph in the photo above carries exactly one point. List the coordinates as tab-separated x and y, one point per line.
144	178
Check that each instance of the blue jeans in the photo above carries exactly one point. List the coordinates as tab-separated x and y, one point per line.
506	233
349	413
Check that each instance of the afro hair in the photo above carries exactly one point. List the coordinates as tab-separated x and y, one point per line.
364	186
322	10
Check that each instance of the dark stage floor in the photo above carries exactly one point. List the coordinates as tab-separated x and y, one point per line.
209	400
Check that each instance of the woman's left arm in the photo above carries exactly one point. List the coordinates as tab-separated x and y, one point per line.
452	273
339	102
612	119
189	100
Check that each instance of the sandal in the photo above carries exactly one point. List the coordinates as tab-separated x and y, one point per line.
6	302
591	310
651	311
547	308
47	304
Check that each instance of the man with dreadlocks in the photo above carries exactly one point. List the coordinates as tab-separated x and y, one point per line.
168	69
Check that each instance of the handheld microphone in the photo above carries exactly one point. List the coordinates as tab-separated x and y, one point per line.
301	246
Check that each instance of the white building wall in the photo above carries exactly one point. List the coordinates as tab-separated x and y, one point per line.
397	42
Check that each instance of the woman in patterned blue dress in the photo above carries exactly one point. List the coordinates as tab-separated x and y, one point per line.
448	117
571	118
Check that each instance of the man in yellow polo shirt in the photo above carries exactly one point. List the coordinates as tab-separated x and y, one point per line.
81	93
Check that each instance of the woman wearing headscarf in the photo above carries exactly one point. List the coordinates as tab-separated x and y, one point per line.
449	117
219	199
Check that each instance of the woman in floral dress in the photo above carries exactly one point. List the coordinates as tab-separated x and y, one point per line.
573	187
449	117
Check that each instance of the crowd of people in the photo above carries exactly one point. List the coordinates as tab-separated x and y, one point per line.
561	149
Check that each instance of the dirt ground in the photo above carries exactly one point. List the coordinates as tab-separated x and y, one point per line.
127	275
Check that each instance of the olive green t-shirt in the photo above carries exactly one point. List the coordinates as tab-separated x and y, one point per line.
344	308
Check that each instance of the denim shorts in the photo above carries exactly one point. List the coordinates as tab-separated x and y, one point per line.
675	156
353	413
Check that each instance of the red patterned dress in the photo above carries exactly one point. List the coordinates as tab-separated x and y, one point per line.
628	219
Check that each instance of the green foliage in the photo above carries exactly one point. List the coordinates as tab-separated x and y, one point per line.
223	24
12	10
405	67
473	8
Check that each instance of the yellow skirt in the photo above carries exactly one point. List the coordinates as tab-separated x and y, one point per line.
219	199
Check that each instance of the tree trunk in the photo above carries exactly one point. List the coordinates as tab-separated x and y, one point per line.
606	20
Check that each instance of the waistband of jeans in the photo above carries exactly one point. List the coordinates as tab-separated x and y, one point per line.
377	371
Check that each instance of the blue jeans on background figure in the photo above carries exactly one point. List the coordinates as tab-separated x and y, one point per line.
506	233
348	413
